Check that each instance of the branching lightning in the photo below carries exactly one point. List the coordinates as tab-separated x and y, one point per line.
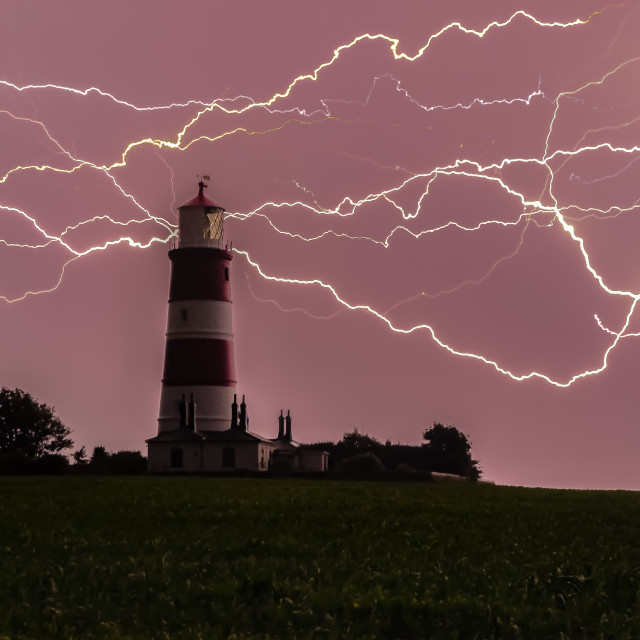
546	209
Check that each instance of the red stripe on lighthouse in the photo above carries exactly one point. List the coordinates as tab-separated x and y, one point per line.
199	273
199	361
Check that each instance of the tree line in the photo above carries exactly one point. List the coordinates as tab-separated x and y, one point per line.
32	439
445	449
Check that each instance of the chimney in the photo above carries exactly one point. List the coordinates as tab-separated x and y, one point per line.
183	412
287	421
280	426
234	412
243	415
192	414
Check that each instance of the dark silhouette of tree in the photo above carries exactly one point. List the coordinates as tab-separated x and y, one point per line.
99	455
99	460
28	427
80	456
120	462
391	455
354	443
127	462
404	457
449	451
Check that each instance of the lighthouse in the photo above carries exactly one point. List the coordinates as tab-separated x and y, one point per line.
200	429
198	380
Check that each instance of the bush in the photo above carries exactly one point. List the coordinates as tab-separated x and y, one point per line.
15	463
127	462
362	466
104	462
51	464
406	468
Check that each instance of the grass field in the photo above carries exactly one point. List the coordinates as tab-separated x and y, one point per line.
159	557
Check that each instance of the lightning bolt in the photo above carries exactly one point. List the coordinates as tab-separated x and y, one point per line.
544	210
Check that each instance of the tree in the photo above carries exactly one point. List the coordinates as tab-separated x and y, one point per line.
354	443
99	460
80	456
127	462
449	451
99	455
28	427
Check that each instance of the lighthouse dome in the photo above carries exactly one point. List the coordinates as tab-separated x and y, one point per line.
200	222
201	200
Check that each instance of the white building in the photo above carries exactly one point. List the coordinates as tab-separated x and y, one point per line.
236	448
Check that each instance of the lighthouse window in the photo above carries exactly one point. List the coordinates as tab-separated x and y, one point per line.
229	457
185	314
176	458
226	273
213	224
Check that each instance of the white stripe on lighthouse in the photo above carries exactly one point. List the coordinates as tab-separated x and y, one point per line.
213	407
199	319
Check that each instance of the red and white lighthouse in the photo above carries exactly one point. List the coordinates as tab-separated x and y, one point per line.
198	382
198	426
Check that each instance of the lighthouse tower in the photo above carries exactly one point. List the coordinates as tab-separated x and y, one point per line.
198	382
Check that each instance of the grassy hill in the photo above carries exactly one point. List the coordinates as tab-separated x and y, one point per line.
160	557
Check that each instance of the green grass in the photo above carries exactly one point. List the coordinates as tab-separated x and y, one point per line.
159	557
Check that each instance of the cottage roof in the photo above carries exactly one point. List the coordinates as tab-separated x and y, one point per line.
177	435
283	443
233	435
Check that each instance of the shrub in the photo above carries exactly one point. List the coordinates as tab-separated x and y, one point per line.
362	465
127	462
15	463
51	464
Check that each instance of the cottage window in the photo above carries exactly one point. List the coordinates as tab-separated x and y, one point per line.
176	458
229	457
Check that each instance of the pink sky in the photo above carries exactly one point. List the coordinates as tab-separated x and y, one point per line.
478	204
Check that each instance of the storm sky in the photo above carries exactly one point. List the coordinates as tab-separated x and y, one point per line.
433	208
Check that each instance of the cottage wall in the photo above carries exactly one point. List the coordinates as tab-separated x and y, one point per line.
246	456
312	460
163	457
